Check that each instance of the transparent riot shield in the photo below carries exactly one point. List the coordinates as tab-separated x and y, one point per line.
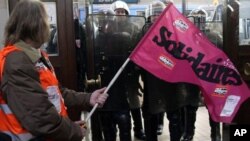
110	40
212	27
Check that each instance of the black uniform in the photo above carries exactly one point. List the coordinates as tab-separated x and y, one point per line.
116	110
161	96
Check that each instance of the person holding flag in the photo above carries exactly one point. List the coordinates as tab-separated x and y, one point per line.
32	102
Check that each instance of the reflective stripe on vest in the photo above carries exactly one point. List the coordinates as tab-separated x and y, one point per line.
9	124
50	84
5	108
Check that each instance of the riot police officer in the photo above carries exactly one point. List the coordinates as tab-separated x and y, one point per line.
118	43
160	96
132	84
192	92
191	95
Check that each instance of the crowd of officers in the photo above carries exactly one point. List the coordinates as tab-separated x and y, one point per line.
179	101
33	104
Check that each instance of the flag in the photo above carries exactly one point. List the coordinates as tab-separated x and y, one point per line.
176	51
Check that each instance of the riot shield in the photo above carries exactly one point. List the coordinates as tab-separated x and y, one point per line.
110	39
212	27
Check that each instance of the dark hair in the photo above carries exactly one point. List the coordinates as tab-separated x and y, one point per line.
28	20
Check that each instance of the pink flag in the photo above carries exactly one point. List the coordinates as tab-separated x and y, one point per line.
176	51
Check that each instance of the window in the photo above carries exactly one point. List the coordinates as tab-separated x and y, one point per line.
244	23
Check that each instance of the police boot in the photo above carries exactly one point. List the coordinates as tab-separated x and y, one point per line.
190	118
137	118
174	125
215	130
124	124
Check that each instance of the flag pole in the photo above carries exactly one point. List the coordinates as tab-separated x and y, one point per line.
108	87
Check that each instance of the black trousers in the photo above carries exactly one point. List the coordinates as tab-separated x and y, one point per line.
175	125
151	124
109	122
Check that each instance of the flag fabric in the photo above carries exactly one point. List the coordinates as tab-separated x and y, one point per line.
176	51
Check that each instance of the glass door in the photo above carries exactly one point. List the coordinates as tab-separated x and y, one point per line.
4	15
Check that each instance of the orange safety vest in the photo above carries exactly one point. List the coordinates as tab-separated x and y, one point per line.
9	124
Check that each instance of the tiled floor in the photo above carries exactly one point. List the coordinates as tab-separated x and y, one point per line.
202	132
